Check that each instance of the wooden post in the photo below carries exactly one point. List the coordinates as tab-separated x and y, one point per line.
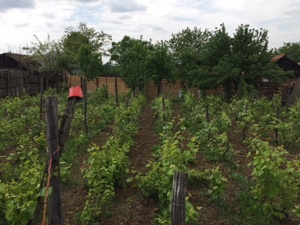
207	112
8	84
276	129
164	110
65	125
54	205
85	105
21	84
41	98
207	115
178	198
245	128
116	92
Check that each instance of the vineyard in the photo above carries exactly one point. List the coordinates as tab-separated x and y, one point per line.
241	159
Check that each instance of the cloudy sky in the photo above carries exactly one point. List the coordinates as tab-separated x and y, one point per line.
20	20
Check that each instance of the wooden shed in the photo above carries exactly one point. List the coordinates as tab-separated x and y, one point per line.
287	64
19	73
291	89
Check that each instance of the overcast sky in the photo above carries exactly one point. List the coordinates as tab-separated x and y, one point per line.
20	20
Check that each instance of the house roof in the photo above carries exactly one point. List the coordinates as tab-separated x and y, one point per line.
277	57
24	61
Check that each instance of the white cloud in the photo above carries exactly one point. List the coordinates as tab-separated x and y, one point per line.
20	20
125	6
7	5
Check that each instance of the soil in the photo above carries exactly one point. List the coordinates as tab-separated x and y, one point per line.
131	208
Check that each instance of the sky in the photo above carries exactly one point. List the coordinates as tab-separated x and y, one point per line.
20	20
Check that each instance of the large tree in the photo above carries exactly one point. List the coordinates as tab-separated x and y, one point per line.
161	64
82	50
186	47
131	56
83	35
237	62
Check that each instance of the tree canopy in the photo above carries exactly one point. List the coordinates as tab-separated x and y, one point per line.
160	64
237	62
131	55
186	47
200	58
291	49
47	53
83	49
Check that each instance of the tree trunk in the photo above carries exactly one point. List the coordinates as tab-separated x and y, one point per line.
227	92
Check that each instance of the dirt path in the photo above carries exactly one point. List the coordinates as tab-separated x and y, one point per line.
130	207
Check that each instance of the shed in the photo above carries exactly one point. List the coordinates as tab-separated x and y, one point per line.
287	64
290	89
18	72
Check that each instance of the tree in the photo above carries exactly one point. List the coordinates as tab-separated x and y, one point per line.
82	54
111	69
131	55
237	63
74	39
186	47
47	53
292	50
161	64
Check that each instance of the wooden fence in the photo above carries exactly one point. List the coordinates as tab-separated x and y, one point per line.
16	83
117	85
112	83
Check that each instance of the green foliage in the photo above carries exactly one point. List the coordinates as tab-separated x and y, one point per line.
170	157
187	46
19	196
99	96
47	54
208	119
218	183
291	49
288	127
81	42
237	62
246	111
160	65
12	126
23	142
276	179
106	167
131	55
162	108
90	62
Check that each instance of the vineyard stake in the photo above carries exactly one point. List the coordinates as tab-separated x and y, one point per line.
178	198
54	207
66	122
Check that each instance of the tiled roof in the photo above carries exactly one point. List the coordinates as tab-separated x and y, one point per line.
277	57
